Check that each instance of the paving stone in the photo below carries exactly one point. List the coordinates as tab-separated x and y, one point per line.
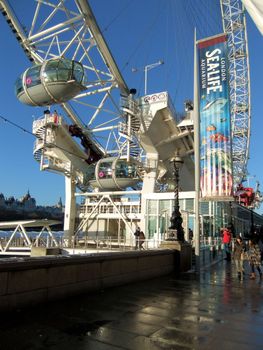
177	337
111	336
143	343
212	311
221	344
145	318
138	328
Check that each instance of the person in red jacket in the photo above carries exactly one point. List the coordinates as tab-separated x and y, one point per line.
227	241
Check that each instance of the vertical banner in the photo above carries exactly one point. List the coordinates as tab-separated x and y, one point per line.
216	178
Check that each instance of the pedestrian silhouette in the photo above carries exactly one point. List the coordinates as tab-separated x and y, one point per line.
141	240
254	257
227	241
137	235
238	256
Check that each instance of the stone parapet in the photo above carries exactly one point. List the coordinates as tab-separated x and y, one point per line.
31	281
183	254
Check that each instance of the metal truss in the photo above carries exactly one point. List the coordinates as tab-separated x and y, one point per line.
68	29
234	24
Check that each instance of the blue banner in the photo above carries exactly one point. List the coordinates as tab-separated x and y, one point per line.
216	182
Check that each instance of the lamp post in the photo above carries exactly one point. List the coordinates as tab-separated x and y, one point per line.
146	69
176	231
231	224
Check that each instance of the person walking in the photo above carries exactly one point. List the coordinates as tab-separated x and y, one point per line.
137	237
254	258
260	244
238	256
141	240
227	241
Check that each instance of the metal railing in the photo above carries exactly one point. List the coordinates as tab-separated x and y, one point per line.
85	244
210	241
82	244
110	209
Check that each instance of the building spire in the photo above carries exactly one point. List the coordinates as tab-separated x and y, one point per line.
60	204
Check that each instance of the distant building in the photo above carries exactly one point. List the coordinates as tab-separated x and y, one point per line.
28	202
27	208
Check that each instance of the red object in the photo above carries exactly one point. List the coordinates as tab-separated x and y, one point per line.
55	118
245	195
218	137
212	41
226	236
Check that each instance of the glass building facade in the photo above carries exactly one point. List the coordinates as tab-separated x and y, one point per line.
213	215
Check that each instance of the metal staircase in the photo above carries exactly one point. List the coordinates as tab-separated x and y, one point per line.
129	129
57	151
45	133
130	109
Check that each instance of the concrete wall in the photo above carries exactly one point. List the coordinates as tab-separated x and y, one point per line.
37	280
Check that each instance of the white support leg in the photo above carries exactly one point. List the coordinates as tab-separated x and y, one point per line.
70	210
148	187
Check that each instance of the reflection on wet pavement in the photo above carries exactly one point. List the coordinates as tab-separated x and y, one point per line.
215	310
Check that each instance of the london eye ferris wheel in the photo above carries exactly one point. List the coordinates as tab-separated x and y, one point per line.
75	75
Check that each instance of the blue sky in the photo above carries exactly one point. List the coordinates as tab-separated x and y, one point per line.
138	32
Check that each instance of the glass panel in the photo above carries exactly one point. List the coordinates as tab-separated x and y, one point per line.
33	76
124	169
204	208
121	169
84	79
78	72
18	85
164	205
152	207
65	70
181	204
208	227
50	73
163	223
191	222
132	170
189	204
152	226
91	172
105	170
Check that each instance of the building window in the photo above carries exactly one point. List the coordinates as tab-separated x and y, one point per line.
189	204
204	208
152	226
152	207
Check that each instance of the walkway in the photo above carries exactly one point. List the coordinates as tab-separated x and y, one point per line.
216	311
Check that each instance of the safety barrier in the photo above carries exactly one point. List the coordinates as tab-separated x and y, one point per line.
29	281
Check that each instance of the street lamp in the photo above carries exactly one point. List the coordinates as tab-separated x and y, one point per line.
146	69
176	231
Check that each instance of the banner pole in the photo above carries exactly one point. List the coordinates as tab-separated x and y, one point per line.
197	159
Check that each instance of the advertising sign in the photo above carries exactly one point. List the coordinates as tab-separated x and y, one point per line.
216	181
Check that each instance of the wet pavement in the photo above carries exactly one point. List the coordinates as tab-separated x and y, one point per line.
213	311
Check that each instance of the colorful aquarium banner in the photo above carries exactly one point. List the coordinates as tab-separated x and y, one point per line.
216	181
